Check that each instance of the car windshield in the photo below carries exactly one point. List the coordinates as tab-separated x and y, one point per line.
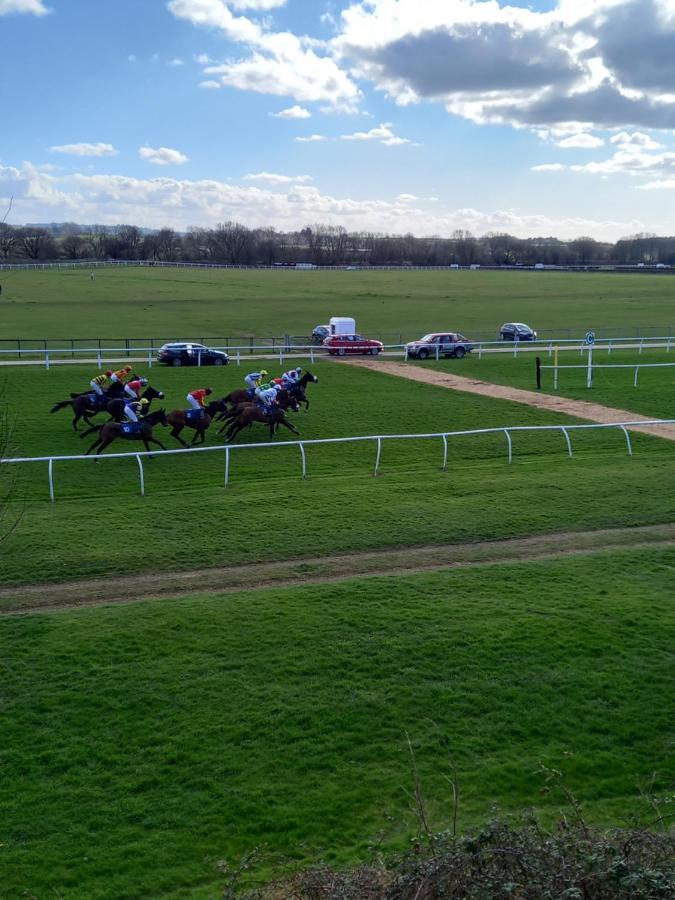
427	338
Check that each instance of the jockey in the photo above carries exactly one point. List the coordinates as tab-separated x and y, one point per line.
99	383
132	389
267	395
135	408
120	376
196	398
291	377
255	379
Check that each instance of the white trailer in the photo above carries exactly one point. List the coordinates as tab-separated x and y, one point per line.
342	325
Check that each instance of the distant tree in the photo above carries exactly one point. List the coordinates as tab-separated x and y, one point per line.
37	243
9	240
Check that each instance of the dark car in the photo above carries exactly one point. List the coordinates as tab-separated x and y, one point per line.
440	343
191	355
517	331
320	333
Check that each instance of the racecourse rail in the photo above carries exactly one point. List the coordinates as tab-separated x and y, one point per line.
228	449
107	355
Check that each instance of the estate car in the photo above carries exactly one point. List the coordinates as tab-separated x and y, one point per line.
441	343
187	354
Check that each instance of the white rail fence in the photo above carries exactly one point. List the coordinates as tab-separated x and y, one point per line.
378	439
590	367
101	356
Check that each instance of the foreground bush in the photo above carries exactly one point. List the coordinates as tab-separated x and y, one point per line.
572	862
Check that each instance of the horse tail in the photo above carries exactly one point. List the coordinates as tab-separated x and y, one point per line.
61	405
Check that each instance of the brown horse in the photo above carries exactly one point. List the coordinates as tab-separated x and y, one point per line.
178	420
112	430
284	401
253	413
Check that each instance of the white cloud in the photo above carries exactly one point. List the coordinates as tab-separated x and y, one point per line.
158	202
271	178
176	61
311	138
381	133
293	112
256	4
581	141
278	63
209	85
636	139
35	7
162	156
131	58
548	167
85	149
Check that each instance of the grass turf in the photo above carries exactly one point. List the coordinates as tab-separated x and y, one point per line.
143	743
188	519
195	304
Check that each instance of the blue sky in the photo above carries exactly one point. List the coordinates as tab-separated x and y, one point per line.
389	115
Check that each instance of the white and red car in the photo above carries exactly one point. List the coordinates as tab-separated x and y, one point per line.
341	344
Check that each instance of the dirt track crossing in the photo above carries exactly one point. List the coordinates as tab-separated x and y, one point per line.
66	595
581	409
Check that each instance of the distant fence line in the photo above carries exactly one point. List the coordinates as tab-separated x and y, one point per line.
99	355
590	367
507	431
638	268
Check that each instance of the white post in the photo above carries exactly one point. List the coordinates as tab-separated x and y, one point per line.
515	347
100	364
480	351
149	359
635	379
550	349
140	472
405	354
46	359
199	359
567	438
642	340
589	373
379	453
668	346
508	438
311	355
628	445
51	480
438	348
445	452
227	466
238	359
609	348
281	356
304	460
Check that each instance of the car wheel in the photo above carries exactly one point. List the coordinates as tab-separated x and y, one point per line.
176	362
218	361
374	351
422	354
341	351
460	353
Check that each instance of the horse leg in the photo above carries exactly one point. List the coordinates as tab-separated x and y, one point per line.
175	432
77	418
89	430
288	425
153	440
95	444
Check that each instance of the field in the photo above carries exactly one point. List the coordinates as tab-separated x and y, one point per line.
501	617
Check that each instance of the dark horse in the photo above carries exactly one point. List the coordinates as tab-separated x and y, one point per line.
115	407
112	430
178	420
252	413
89	403
242	395
285	400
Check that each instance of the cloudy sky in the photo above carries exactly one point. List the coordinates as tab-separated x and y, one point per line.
387	115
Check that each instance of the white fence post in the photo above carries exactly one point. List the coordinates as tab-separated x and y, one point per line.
51	480
98	356
379	454
149	359
140	473
628	444
311	355
508	438
46	359
238	359
567	438
635	379
304	461
445	452
589	371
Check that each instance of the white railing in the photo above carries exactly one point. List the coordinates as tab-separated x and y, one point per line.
591	367
228	449
244	353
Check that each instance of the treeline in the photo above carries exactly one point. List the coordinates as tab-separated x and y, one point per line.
321	245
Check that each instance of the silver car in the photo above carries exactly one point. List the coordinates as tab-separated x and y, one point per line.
441	343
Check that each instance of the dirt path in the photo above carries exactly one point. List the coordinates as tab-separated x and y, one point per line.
581	409
316	570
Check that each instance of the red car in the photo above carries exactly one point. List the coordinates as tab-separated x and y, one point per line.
340	344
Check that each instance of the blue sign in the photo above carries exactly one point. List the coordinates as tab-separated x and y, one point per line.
590	337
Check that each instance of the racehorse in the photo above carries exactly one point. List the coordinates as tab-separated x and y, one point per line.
252	413
179	419
284	400
298	390
115	407
89	404
112	430
242	395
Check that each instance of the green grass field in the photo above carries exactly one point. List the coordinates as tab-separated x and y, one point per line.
144	742
179	303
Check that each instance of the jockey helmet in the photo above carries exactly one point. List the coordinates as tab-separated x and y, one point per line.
264	372
127	368
108	374
298	370
209	390
144	401
143	380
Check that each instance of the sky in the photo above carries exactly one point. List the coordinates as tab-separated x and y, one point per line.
422	116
